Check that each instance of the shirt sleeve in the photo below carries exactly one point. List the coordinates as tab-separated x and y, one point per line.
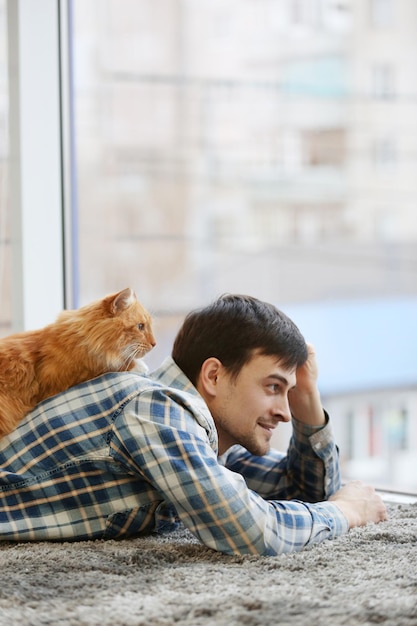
309	470
172	452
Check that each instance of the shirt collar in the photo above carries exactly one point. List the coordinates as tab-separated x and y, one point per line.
173	376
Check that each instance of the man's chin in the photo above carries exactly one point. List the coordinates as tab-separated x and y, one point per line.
258	449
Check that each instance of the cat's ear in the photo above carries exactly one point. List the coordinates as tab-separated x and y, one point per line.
122	300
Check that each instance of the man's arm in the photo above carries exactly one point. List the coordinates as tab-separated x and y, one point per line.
305	402
359	502
172	453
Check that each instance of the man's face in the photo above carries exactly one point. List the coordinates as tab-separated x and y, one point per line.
246	409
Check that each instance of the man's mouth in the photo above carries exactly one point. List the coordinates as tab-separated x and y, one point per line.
267	427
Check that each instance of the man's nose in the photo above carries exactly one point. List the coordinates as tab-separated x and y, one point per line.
282	409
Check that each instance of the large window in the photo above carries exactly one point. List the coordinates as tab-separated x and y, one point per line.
254	146
239	147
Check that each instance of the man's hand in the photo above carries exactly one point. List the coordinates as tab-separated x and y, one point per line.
304	399
360	504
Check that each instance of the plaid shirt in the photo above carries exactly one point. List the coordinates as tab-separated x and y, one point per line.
125	454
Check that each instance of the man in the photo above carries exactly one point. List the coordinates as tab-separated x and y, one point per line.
127	454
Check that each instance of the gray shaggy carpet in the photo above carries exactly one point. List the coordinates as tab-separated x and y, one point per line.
366	577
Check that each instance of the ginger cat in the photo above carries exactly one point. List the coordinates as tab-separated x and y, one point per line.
107	335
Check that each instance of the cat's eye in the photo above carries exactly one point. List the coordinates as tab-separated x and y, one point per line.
141	326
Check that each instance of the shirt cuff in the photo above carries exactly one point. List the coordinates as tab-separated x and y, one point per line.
318	441
314	434
337	521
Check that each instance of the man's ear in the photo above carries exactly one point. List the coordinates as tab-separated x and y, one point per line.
209	374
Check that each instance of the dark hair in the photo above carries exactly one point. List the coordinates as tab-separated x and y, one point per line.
231	329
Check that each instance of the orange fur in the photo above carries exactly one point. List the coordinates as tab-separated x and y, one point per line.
106	335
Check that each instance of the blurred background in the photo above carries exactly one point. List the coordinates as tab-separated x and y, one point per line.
266	147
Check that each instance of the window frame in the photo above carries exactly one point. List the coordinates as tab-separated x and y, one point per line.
40	161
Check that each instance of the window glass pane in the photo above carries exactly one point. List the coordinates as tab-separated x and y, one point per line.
239	147
5	271
382	13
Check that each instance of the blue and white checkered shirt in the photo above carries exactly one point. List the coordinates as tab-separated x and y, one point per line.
125	454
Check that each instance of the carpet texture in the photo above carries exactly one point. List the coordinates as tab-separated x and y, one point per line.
366	577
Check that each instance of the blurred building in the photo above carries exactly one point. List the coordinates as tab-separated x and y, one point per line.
268	146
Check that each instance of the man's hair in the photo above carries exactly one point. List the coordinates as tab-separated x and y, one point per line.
232	329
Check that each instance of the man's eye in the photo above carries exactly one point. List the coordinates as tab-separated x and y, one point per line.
141	326
274	388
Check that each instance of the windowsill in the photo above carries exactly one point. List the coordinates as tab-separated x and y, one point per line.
398	497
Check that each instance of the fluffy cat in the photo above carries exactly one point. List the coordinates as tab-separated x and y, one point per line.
104	336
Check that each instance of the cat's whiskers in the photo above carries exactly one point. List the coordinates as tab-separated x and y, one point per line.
131	353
